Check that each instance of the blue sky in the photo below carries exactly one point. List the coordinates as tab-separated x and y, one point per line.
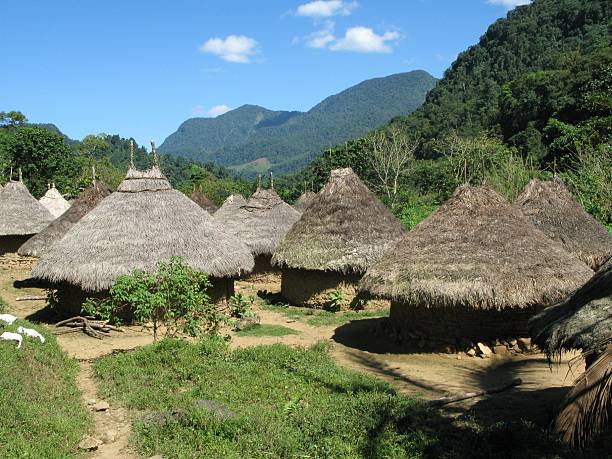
140	68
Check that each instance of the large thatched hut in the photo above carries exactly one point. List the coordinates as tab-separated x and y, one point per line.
231	204
344	231
54	202
551	207
21	216
203	201
37	245
304	201
583	321
474	269
145	221
261	223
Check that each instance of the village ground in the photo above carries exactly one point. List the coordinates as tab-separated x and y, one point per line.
357	345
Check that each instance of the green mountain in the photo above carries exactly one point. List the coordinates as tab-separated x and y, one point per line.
251	136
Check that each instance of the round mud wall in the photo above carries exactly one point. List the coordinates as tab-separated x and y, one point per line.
264	272
314	288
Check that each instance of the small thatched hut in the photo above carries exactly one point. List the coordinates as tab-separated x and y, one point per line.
304	201
21	216
261	223
54	202
37	245
551	207
145	221
231	204
344	231
582	321
203	201
474	269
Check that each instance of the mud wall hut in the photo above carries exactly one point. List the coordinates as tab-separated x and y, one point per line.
345	230
476	269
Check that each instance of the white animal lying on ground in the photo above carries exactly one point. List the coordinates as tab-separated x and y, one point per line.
8	318
10	336
31	333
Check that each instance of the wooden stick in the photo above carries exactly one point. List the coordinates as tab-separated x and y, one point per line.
31	298
465	396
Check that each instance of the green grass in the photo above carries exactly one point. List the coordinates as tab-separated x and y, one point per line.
41	413
320	317
267	330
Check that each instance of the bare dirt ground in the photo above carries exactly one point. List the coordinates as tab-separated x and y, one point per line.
355	345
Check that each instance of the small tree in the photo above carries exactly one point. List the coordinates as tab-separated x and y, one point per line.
174	296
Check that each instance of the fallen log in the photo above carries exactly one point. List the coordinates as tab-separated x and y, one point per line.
468	395
94	328
31	298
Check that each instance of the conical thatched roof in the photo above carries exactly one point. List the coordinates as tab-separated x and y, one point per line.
54	202
20	213
304	201
262	222
346	228
581	321
551	207
229	206
478	251
87	200
203	201
145	221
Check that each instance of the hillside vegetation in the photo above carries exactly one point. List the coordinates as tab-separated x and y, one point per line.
290	139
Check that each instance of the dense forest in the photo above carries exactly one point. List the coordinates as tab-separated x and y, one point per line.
253	139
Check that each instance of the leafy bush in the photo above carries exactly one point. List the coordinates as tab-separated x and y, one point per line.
336	298
174	295
241	306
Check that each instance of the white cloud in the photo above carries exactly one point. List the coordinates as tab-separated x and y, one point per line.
320	39
218	110
364	40
325	8
509	3
233	48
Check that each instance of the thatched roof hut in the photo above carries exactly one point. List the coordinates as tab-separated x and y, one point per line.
87	200
145	221
261	222
203	201
21	213
304	201
551	207
231	204
476	255
54	202
581	321
346	229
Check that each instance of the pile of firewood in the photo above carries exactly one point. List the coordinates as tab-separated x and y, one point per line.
94	328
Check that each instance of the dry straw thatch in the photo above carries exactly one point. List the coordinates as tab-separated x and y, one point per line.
581	321
203	201
261	222
87	200
346	228
145	221
551	207
21	214
231	204
54	202
304	201
476	251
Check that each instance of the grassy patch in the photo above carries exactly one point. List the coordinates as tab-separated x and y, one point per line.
41	414
268	330
320	317
2	306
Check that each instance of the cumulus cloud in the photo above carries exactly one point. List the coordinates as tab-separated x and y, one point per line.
218	110
325	8
509	4
364	40
233	48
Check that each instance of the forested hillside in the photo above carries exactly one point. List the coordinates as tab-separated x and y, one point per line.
288	140
532	99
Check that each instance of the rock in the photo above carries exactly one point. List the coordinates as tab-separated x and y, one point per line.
101	406
216	408
164	417
89	443
471	352
91	401
109	436
483	350
512	342
458	356
500	350
246	323
524	344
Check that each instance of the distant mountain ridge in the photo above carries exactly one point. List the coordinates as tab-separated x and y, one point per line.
290	139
